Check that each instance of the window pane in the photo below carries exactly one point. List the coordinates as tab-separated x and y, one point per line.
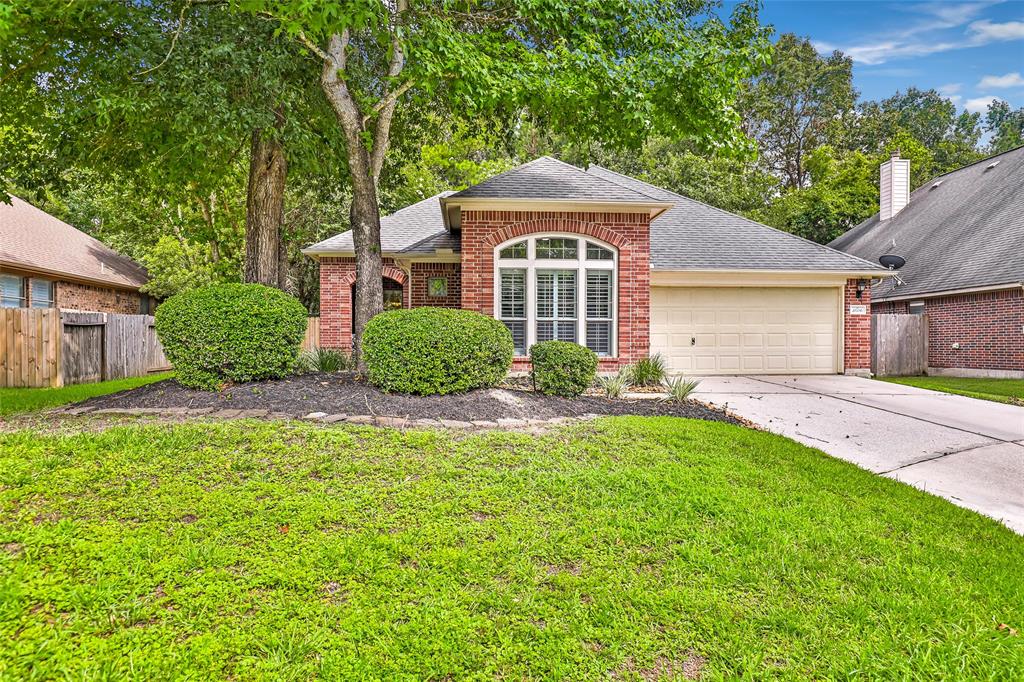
599	294
518	330
599	337
42	293
565	331
595	252
545	331
565	283
513	294
12	291
545	294
557	247
517	250
437	286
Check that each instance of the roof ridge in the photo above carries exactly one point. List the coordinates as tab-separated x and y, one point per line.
737	215
973	163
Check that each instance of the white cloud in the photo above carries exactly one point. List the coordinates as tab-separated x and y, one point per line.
950	89
922	37
990	32
979	105
1010	80
955	99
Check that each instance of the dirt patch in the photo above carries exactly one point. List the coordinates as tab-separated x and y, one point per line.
345	394
689	668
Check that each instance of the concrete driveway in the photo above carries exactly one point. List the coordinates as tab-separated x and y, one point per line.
968	451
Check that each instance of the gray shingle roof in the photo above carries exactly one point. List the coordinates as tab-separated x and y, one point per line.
695	236
548	178
966	232
415	229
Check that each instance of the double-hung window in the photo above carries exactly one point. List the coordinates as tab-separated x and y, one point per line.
555	287
41	293
12	291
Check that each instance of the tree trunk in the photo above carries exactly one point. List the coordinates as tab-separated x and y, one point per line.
364	218
264	209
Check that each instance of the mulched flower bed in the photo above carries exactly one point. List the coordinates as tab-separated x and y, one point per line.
344	393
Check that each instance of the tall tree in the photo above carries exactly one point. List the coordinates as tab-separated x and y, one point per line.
604	69
789	107
1006	126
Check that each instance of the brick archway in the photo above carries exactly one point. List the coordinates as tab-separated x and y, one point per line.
568	225
390	271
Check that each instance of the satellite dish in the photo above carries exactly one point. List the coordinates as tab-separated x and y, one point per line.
892	261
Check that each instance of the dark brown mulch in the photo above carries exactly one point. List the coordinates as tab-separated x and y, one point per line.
343	393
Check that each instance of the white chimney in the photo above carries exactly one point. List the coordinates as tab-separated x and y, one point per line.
894	176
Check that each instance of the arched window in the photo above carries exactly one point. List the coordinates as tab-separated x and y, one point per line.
557	287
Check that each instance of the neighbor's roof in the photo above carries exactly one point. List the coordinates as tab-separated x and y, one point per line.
415	229
688	236
695	236
961	230
551	179
35	240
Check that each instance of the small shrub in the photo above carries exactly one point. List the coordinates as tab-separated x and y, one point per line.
562	368
323	360
615	386
435	351
679	389
648	371
231	332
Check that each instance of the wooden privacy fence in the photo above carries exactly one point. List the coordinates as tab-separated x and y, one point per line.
60	347
312	339
899	344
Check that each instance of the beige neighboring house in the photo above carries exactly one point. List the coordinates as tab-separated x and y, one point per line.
46	263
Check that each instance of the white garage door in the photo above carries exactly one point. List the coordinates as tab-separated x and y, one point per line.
740	330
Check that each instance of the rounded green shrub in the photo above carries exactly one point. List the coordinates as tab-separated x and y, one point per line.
435	351
562	368
231	332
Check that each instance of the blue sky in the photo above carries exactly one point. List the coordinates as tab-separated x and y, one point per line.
969	51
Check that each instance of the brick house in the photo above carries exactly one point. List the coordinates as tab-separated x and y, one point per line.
962	235
46	263
621	266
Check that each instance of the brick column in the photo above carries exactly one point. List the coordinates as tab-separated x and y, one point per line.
856	329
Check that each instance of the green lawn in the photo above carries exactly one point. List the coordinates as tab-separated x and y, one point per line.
999	390
630	547
15	400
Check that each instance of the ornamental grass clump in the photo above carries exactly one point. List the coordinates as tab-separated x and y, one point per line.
231	333
679	388
426	351
648	371
616	385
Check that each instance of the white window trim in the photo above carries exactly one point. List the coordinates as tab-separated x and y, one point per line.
531	264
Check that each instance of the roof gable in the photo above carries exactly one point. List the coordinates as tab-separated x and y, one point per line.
960	230
546	178
35	240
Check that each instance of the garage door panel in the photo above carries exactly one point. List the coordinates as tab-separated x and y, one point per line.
745	329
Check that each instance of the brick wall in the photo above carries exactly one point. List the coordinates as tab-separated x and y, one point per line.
337	275
75	296
628	232
856	329
421	272
989	326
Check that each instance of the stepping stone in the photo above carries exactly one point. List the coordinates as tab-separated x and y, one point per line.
78	410
253	414
174	411
428	423
200	410
512	423
315	415
360	419
456	424
279	415
332	418
484	424
227	414
392	422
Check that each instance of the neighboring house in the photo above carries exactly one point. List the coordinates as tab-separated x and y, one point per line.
626	268
46	263
962	235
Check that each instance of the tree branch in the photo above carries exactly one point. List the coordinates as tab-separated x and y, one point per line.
385	109
174	40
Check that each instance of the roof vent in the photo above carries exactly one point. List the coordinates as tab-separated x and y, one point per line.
993	164
937	183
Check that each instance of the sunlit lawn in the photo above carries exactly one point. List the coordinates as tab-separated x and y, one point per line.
999	390
630	547
16	400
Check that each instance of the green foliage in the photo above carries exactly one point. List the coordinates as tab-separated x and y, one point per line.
562	368
616	385
246	551
647	371
231	332
17	400
323	360
427	351
1006	126
997	390
175	266
679	388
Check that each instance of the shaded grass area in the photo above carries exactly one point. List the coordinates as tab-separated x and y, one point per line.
999	390
632	547
15	400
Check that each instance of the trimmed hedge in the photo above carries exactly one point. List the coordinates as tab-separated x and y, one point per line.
435	351
562	368
231	332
